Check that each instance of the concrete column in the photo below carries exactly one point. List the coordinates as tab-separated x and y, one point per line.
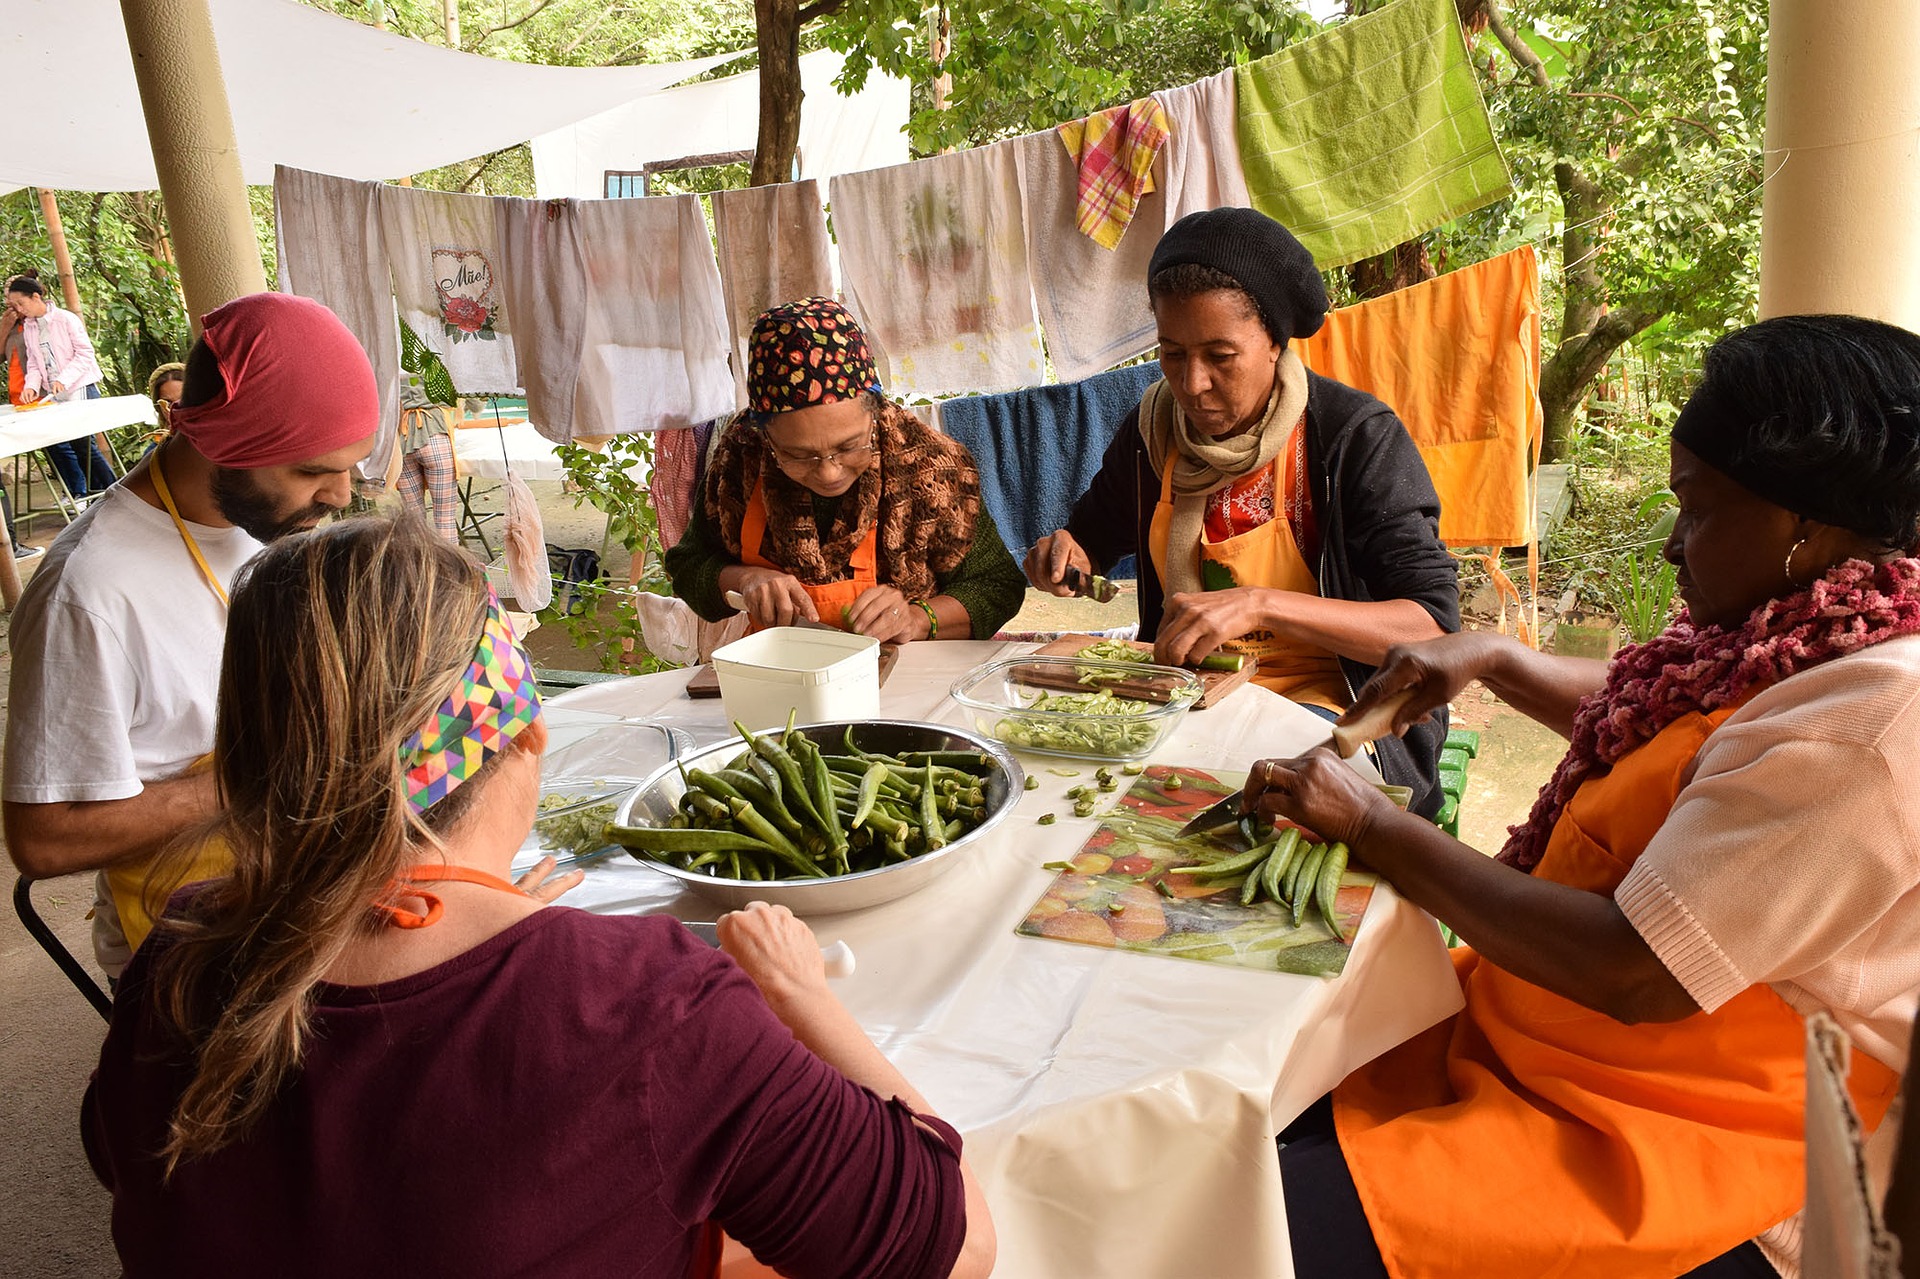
190	127
1840	220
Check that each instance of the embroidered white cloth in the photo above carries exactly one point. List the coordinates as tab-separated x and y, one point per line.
543	283
1092	301
933	260
445	254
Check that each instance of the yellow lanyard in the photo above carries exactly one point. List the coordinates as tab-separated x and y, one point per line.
193	547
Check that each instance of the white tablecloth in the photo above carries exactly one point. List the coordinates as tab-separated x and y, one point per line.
23	432
484	452
1119	1108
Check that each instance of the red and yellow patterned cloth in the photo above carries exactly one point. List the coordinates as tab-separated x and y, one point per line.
1114	150
1249	502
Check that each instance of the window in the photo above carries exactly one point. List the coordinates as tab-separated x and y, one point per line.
621	184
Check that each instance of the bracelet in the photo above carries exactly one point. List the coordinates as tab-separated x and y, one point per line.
933	622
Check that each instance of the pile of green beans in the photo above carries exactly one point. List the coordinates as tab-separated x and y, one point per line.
786	809
1283	868
1103	725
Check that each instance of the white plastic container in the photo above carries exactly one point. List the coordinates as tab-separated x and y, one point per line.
813	674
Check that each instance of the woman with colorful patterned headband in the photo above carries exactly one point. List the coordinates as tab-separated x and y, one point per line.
827	502
369	1044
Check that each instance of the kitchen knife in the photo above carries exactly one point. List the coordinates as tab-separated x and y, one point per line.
1345	741
838	957
1089	585
738	602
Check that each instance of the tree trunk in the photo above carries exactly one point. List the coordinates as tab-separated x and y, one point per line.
1403	265
1589	332
777	34
450	18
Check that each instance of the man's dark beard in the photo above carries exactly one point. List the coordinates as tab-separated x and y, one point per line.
242	504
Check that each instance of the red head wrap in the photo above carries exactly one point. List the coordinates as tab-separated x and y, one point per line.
298	384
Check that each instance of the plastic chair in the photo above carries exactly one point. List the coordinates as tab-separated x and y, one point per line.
76	971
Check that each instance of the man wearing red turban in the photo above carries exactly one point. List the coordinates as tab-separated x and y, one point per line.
117	640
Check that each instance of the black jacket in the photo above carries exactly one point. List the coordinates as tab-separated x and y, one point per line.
1378	519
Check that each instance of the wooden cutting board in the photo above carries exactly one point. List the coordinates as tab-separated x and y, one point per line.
1214	685
706	680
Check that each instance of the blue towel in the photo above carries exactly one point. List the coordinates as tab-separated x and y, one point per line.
1038	450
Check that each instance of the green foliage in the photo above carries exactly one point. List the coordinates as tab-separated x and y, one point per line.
1643	591
129	294
605	479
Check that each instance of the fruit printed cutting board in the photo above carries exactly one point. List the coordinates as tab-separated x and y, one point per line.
1118	894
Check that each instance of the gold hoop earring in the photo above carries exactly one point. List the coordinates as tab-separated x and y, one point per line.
1791	552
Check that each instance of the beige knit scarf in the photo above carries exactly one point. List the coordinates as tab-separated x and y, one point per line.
1202	465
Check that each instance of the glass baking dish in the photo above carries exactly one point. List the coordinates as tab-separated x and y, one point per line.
1077	707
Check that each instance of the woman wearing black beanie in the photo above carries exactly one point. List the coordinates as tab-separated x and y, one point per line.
1275	513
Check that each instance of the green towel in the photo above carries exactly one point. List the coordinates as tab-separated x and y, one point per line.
1369	134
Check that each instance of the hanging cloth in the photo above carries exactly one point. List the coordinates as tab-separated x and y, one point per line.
1113	152
772	246
447	258
830	599
1635	1150
1201	158
933	255
1370	133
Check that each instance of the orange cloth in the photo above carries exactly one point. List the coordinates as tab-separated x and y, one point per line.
1458	357
831	599
1531	1136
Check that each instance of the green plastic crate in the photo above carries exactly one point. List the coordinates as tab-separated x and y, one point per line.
1463	739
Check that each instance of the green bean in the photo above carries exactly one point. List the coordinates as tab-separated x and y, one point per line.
1276	864
1255	877
665	839
1309	876
1328	885
1296	864
869	793
1226	867
930	827
763	830
1032	783
715	786
793	781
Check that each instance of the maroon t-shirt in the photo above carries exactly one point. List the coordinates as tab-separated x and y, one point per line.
575	1096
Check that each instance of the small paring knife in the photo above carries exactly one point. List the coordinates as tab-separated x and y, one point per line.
1345	741
837	957
1089	585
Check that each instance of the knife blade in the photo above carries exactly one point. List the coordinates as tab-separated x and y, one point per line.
1089	585
1345	741
837	957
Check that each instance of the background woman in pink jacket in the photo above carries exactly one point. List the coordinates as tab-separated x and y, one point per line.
59	366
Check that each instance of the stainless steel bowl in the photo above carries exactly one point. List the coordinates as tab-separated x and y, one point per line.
653	804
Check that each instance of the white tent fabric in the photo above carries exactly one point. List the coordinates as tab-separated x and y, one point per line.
838	134
308	89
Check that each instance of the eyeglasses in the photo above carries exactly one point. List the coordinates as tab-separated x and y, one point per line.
846	459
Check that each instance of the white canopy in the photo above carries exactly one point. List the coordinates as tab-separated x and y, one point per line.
838	134
308	89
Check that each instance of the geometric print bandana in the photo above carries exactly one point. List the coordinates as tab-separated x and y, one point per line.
495	699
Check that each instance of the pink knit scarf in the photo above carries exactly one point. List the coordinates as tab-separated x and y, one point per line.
1687	669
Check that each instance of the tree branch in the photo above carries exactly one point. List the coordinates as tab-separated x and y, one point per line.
1516	48
819	9
1610	97
508	26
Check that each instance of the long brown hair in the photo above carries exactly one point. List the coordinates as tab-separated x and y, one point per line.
340	644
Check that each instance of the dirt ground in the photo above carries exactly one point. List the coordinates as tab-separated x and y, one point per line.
53	1215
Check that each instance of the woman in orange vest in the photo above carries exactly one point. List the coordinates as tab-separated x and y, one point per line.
1273	512
827	502
1728	846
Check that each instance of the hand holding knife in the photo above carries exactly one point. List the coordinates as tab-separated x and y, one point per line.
1345	741
1089	585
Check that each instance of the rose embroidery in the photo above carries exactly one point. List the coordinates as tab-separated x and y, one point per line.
463	279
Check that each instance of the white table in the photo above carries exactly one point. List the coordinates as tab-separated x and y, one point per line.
485	452
25	431
1119	1108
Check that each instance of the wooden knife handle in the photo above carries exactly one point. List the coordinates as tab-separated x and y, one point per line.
1375	724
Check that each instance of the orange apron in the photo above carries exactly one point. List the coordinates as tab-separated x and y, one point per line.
1531	1136
831	599
1266	556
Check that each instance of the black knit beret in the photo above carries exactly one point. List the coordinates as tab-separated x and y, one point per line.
1274	268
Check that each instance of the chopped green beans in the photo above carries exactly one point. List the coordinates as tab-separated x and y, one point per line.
1032	782
1045	819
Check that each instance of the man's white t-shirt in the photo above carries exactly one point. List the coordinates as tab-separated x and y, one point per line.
116	663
